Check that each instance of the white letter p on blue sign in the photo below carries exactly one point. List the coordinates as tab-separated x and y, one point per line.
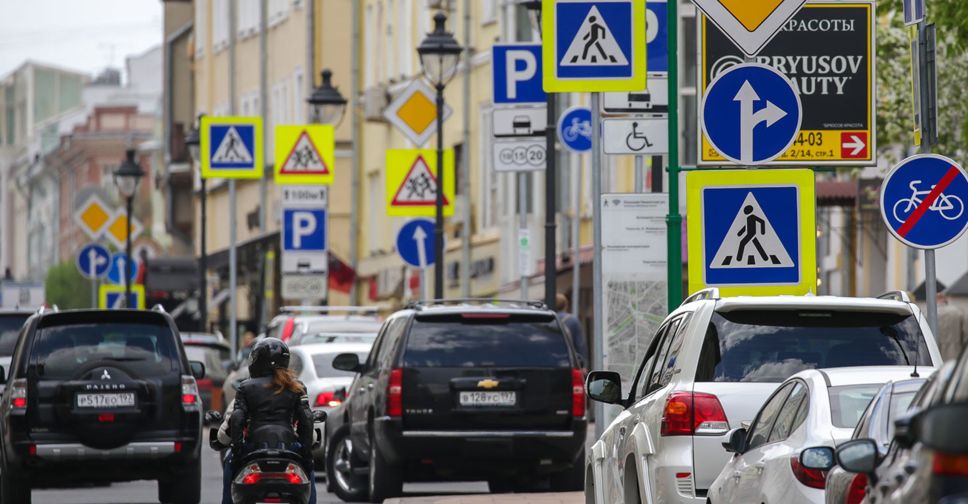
517	74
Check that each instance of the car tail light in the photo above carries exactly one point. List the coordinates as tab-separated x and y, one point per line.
328	399
693	413
950	465
189	392
105	418
288	329
18	394
395	393
812	478
857	489
252	474
577	393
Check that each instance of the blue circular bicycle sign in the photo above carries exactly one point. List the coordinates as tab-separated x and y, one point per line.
575	129
923	201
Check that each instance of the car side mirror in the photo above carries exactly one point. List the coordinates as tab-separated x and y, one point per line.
348	362
902	431
198	369
319	416
942	428
820	458
858	456
604	387
735	441
318	439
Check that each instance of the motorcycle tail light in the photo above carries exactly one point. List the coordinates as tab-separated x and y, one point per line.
250	475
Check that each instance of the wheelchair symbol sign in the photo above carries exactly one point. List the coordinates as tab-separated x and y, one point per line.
637	136
923	201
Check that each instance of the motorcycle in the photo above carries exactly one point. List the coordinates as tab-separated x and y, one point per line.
271	471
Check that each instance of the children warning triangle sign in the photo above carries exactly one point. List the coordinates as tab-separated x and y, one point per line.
594	44
232	150
751	241
419	187
304	159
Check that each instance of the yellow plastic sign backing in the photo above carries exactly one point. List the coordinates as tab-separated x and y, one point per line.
231	147
106	290
305	154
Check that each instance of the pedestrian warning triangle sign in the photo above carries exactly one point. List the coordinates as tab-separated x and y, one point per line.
232	149
304	159
751	241
594	44
419	187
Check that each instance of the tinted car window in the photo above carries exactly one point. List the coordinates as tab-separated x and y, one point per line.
848	403
764	422
770	346
661	355
324	365
213	358
148	350
482	342
9	330
787	419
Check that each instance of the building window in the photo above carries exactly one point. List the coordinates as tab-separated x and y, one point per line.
299	90
278	11
369	75
200	26
488	11
220	24
488	177
389	18
249	15
377	202
405	44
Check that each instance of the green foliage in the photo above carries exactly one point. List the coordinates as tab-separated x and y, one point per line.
66	288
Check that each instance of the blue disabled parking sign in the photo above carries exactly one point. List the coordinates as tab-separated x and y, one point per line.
751	235
923	201
751	114
575	129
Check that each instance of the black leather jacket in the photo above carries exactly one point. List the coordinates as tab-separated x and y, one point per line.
270	416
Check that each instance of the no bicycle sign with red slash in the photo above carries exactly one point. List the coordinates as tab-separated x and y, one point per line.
923	201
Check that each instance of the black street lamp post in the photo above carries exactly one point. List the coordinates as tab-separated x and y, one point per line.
439	55
327	104
193	141
126	178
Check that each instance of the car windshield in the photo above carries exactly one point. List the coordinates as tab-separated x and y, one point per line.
213	358
848	403
328	337
324	365
9	330
770	346
64	351
486	342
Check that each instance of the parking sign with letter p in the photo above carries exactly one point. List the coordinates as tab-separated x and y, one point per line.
517	74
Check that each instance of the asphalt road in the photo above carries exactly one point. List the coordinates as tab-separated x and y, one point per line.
147	491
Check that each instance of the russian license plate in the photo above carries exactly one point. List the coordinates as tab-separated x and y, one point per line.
115	400
488	398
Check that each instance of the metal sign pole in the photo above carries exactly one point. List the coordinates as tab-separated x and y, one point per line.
576	240
522	227
926	51
674	219
233	270
639	174
598	352
92	273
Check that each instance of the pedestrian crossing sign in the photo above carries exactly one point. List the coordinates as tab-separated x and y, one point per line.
231	147
752	232
304	154
412	182
111	297
595	45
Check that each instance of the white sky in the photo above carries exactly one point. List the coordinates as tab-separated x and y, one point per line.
77	34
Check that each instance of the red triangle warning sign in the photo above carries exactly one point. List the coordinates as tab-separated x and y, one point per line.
419	187
304	159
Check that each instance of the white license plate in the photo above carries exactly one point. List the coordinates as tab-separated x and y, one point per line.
488	398
117	400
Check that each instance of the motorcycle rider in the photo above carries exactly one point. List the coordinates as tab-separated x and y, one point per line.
272	396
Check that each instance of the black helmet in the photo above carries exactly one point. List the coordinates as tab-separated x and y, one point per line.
268	354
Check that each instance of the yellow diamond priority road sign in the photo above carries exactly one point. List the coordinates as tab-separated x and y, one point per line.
414	112
117	230
93	216
750	24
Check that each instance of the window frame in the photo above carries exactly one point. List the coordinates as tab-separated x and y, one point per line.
796	420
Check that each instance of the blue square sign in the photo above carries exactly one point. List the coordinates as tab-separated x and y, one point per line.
232	146
594	39
304	230
517	74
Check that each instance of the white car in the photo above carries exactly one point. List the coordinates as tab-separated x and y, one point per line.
711	366
817	407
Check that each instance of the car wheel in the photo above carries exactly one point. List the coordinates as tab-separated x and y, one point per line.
571	480
184	487
385	481
339	468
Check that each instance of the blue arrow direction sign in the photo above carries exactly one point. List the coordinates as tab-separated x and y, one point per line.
415	243
751	114
575	129
517	74
115	271
93	258
923	201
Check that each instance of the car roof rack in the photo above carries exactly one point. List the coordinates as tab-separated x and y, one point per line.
702	295
507	303
897	295
158	308
44	309
362	310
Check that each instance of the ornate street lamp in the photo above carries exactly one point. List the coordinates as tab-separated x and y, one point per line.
327	104
127	178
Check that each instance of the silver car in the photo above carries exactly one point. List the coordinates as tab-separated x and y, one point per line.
710	367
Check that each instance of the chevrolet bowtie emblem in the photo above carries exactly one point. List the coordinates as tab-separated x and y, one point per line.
105	375
487	384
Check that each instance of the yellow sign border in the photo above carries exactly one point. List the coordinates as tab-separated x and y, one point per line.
553	84
323	137
258	158
704	145
804	179
399	162
102	294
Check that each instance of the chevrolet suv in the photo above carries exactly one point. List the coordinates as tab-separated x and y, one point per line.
98	396
456	390
710	367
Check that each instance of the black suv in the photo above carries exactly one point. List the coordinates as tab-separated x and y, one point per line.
101	396
457	391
